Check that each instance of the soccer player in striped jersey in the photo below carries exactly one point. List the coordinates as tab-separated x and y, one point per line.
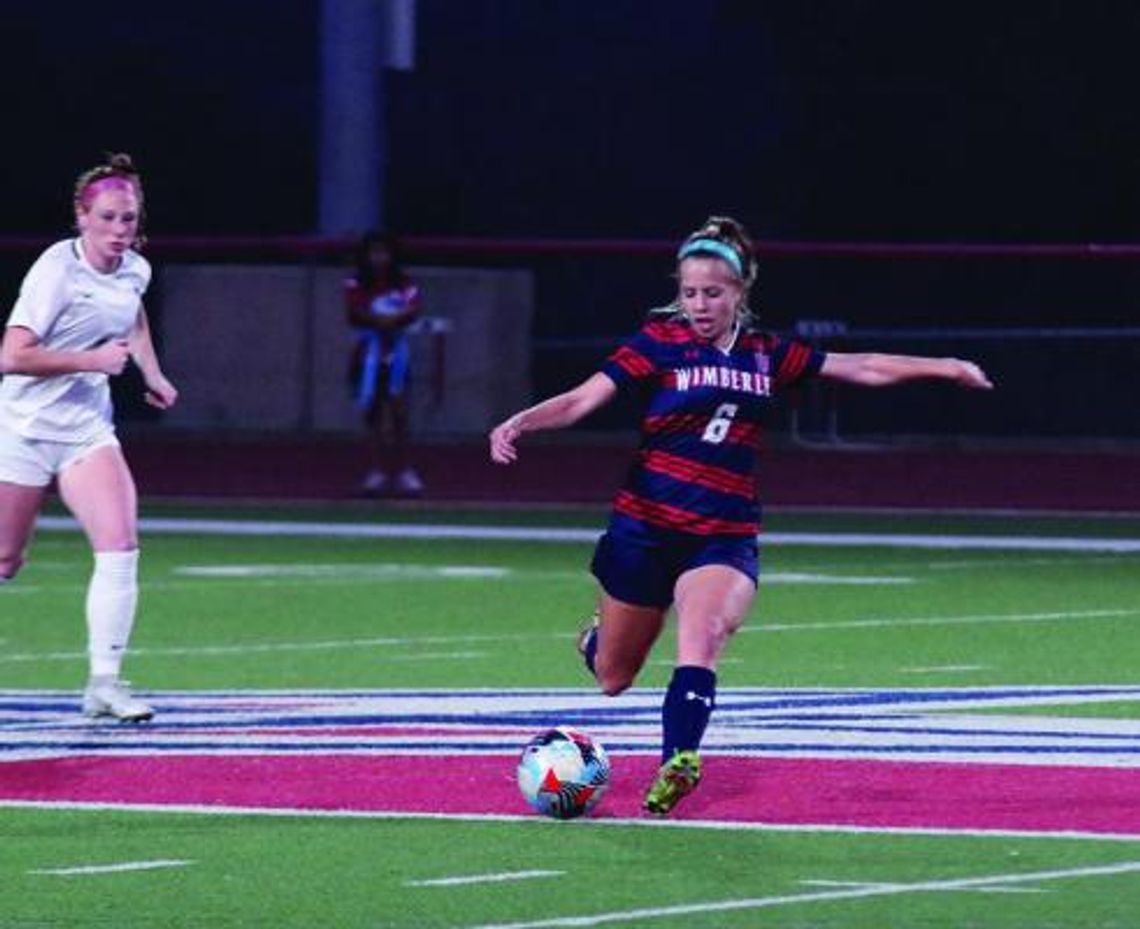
682	532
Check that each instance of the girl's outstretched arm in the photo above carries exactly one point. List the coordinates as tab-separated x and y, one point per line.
561	410
873	369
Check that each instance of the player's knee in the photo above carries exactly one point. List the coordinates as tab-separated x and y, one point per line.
722	628
613	680
10	564
705	644
613	686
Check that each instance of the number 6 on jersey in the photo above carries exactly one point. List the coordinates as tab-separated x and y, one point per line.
717	428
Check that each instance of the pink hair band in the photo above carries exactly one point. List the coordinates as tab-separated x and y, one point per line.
114	182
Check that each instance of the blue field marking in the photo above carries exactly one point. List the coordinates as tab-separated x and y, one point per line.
940	724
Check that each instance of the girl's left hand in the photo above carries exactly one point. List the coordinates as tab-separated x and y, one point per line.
160	393
969	374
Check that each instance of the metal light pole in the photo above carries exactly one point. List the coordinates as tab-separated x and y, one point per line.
359	39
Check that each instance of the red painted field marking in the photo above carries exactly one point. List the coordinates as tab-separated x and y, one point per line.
855	793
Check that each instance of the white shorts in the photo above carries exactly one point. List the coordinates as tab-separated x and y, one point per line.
34	462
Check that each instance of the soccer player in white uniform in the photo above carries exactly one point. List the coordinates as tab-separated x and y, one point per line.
78	320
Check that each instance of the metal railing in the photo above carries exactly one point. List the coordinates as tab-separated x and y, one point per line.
1056	325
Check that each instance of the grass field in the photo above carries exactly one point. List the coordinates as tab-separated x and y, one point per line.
290	605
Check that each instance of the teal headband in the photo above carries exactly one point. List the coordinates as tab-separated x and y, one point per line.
696	246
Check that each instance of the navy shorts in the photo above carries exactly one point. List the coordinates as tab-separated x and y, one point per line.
640	565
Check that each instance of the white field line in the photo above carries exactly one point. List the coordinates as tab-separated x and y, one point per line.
394	642
669	662
380	571
945	620
340	572
944	562
952	542
532	821
330	645
977	890
540	534
483	878
969	564
432	656
856	893
818	577
988	512
113	868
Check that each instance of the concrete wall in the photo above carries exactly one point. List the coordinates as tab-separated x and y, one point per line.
266	347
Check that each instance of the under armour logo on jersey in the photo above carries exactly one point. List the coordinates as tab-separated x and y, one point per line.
693	695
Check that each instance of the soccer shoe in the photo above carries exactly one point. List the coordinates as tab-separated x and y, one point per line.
409	483
586	635
109	696
676	778
373	484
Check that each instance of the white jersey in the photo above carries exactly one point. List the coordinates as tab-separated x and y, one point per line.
70	307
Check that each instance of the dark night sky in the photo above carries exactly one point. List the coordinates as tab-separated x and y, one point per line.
816	119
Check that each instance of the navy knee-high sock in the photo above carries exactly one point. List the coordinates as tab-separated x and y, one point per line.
689	703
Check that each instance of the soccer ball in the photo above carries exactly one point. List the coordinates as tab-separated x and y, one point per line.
563	773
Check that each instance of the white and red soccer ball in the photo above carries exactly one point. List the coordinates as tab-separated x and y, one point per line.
563	773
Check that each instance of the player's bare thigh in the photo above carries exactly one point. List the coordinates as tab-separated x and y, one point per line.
711	603
100	492
626	635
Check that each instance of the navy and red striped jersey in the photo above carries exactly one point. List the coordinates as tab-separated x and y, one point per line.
694	470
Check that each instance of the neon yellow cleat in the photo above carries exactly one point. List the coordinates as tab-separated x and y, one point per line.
676	778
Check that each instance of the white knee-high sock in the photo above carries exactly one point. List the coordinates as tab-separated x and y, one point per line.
112	597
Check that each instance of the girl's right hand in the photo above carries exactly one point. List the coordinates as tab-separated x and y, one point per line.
111	357
503	442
